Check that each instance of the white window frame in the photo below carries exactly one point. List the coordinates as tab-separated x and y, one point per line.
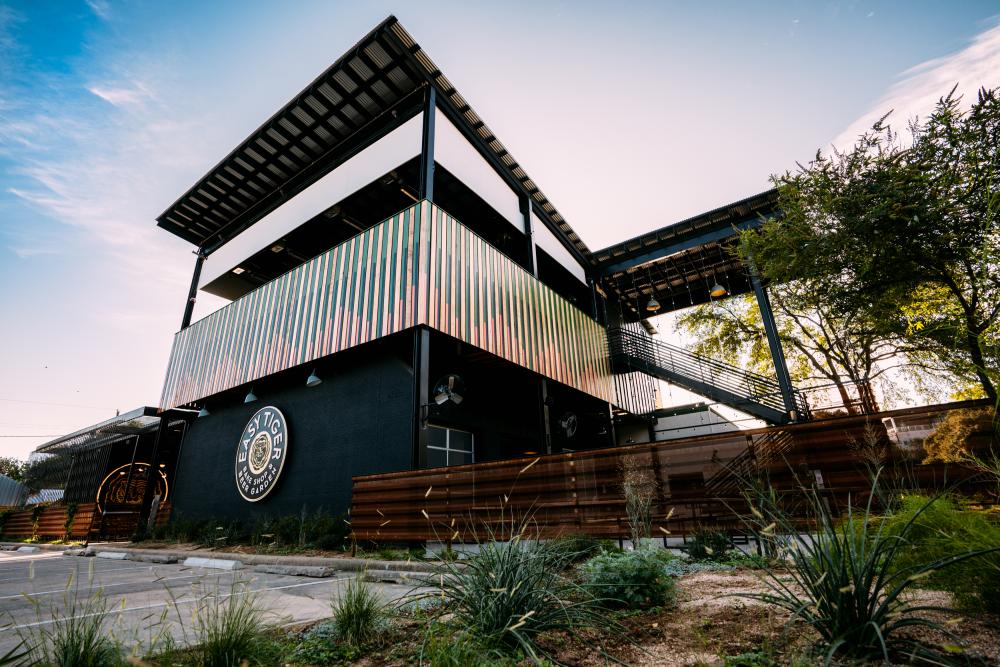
447	449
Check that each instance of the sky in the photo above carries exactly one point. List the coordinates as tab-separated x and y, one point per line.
630	116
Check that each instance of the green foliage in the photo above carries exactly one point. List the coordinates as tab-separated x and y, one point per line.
320	646
320	530
229	628
12	468
846	582
14	656
737	558
73	633
511	591
446	647
577	548
904	236
937	529
709	545
751	659
630	578
359	616
679	567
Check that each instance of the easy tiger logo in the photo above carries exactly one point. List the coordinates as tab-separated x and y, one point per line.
261	453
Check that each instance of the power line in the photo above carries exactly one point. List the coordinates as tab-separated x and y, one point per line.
63	405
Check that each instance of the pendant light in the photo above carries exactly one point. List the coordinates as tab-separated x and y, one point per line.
313	380
251	397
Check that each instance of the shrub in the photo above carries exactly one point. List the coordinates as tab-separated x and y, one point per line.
358	614
939	528
319	646
445	647
709	545
228	627
847	585
74	633
679	567
639	489
576	548
511	591
629	578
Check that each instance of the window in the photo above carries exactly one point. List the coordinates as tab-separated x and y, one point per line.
448	447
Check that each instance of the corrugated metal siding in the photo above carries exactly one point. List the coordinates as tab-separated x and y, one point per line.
12	493
636	392
419	267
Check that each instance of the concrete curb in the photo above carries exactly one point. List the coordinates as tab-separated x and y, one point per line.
14	546
309	565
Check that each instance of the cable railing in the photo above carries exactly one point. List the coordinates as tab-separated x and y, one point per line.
730	385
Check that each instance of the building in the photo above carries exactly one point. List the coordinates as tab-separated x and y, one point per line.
404	295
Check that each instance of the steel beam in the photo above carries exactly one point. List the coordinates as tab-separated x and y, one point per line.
427	145
193	290
774	343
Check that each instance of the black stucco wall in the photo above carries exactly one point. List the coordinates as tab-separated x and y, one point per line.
356	422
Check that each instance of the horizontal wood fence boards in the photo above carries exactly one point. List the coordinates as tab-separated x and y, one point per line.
697	482
420	267
51	522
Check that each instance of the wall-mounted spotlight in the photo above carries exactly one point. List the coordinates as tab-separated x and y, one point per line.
313	380
203	412
251	397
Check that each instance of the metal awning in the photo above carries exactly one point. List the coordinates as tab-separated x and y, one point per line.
375	86
679	263
137	422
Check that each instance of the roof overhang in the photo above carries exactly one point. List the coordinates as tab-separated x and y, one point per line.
374	86
679	263
136	422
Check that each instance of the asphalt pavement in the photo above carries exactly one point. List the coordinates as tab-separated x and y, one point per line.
147	600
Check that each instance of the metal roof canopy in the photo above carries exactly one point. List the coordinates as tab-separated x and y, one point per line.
371	89
678	263
137	422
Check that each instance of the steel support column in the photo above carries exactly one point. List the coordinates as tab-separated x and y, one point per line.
427	145
421	394
193	290
151	475
777	354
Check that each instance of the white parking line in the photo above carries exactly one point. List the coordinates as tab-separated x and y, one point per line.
18	559
99	587
122	610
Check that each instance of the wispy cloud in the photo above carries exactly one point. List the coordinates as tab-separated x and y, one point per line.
920	87
122	95
101	8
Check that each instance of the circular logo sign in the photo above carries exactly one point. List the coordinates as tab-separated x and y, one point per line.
261	454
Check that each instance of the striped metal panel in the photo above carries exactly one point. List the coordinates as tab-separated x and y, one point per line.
479	296
419	267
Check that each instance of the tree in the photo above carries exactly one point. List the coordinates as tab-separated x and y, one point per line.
12	467
904	235
821	347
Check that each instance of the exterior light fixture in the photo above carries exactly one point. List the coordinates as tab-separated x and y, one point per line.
717	290
313	380
652	305
251	397
203	412
238	270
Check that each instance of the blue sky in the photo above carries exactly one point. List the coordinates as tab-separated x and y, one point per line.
629	115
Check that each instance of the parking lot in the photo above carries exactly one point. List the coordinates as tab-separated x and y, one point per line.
146	600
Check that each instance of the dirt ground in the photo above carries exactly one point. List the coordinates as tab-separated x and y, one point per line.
711	622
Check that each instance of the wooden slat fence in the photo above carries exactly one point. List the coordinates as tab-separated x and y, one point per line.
51	522
580	492
86	522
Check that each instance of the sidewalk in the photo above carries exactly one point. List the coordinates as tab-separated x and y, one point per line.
303	566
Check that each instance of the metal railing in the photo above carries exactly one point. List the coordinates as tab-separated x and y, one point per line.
730	385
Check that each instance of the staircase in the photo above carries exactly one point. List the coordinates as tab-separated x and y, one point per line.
764	453
748	392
